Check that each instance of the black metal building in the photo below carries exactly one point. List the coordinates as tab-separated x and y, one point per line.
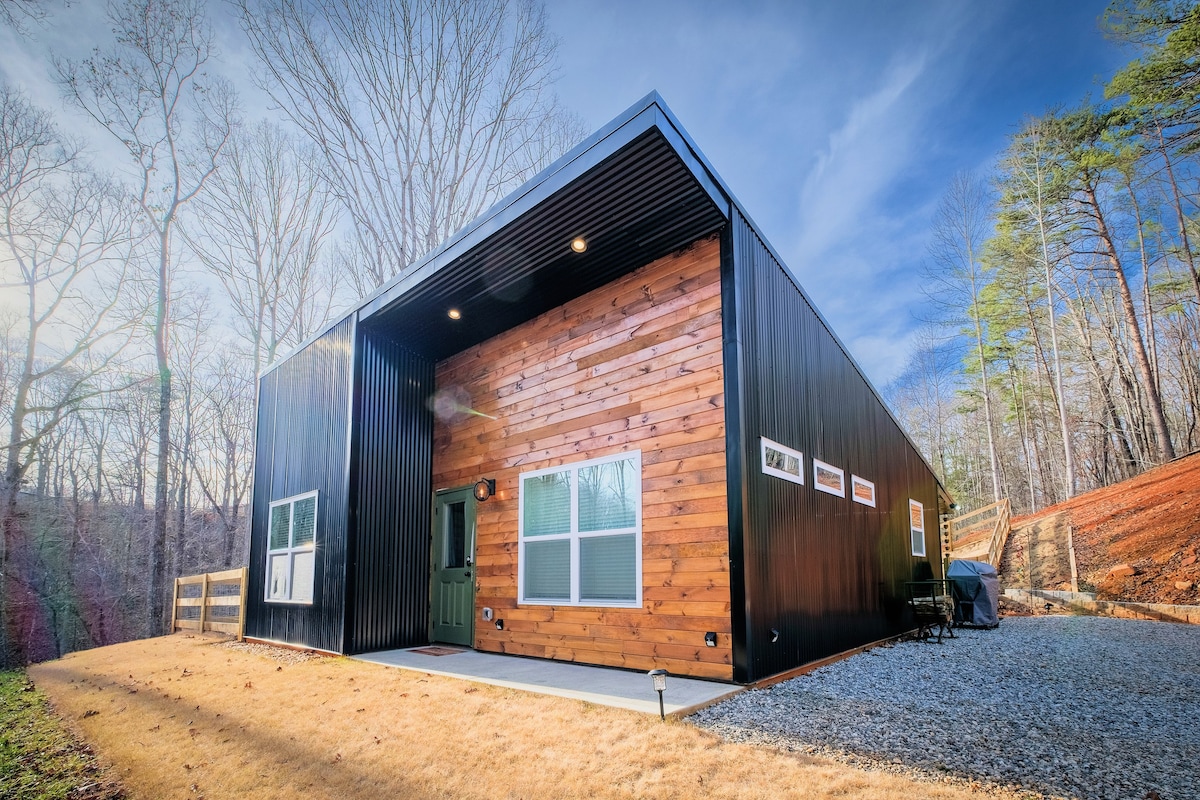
345	427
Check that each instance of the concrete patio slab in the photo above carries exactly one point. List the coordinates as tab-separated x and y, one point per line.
600	685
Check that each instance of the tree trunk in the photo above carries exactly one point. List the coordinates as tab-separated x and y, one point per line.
1158	419
158	536
1060	400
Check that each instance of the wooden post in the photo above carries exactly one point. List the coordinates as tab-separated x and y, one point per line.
242	610
1071	553
174	605
203	601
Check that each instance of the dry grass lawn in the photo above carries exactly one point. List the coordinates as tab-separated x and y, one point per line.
185	717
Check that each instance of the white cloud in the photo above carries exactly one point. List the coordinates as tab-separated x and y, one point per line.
861	161
882	356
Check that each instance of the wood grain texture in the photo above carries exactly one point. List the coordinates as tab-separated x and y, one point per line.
635	365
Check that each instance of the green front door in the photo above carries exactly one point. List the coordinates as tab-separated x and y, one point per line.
453	602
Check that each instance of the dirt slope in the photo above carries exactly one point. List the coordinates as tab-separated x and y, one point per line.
1151	522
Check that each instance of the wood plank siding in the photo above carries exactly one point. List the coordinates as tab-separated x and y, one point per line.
636	364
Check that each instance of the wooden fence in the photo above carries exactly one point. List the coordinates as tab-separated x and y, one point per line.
214	601
979	535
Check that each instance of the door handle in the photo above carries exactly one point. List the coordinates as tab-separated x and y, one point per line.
469	562
468	574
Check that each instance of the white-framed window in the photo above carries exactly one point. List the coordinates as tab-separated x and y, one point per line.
581	533
916	526
291	549
782	462
862	490
828	478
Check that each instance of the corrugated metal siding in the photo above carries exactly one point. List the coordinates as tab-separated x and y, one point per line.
824	571
391	475
303	444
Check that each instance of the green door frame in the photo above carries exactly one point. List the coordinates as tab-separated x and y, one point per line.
452	568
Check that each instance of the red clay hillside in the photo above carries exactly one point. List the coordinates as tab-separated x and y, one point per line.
1150	523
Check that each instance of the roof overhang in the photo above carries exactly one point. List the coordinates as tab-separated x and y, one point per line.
636	190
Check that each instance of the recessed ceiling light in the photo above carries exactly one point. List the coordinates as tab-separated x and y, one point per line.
579	244
454	313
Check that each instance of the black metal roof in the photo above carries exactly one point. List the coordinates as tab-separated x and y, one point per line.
636	190
629	191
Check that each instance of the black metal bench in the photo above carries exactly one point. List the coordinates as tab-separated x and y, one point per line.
932	605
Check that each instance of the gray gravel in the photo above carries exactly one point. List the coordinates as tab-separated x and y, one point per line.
1082	707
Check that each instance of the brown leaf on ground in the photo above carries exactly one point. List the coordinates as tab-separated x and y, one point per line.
454	743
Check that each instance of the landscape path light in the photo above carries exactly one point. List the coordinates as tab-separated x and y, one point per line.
659	676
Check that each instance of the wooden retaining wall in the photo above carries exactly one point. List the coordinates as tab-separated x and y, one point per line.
634	365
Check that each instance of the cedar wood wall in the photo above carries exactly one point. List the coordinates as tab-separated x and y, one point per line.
636	364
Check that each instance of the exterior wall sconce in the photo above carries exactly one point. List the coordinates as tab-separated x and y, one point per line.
710	639
485	489
659	676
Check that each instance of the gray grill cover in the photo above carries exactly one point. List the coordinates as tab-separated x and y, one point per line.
976	593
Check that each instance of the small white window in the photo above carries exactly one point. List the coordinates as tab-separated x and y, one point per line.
916	525
862	490
291	549
581	533
828	478
782	462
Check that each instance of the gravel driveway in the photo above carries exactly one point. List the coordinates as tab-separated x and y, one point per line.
1084	707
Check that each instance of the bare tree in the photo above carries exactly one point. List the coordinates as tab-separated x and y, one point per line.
958	278
66	242
258	228
1092	163
222	458
151	93
17	14
425	111
1033	197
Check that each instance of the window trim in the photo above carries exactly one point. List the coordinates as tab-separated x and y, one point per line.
575	535
766	443
913	530
855	482
291	550
818	467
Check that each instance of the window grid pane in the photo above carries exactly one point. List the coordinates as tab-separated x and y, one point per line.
303	566
548	570
277	588
304	527
547	504
281	519
608	496
608	568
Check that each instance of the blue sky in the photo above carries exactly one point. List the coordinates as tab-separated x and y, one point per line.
837	123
